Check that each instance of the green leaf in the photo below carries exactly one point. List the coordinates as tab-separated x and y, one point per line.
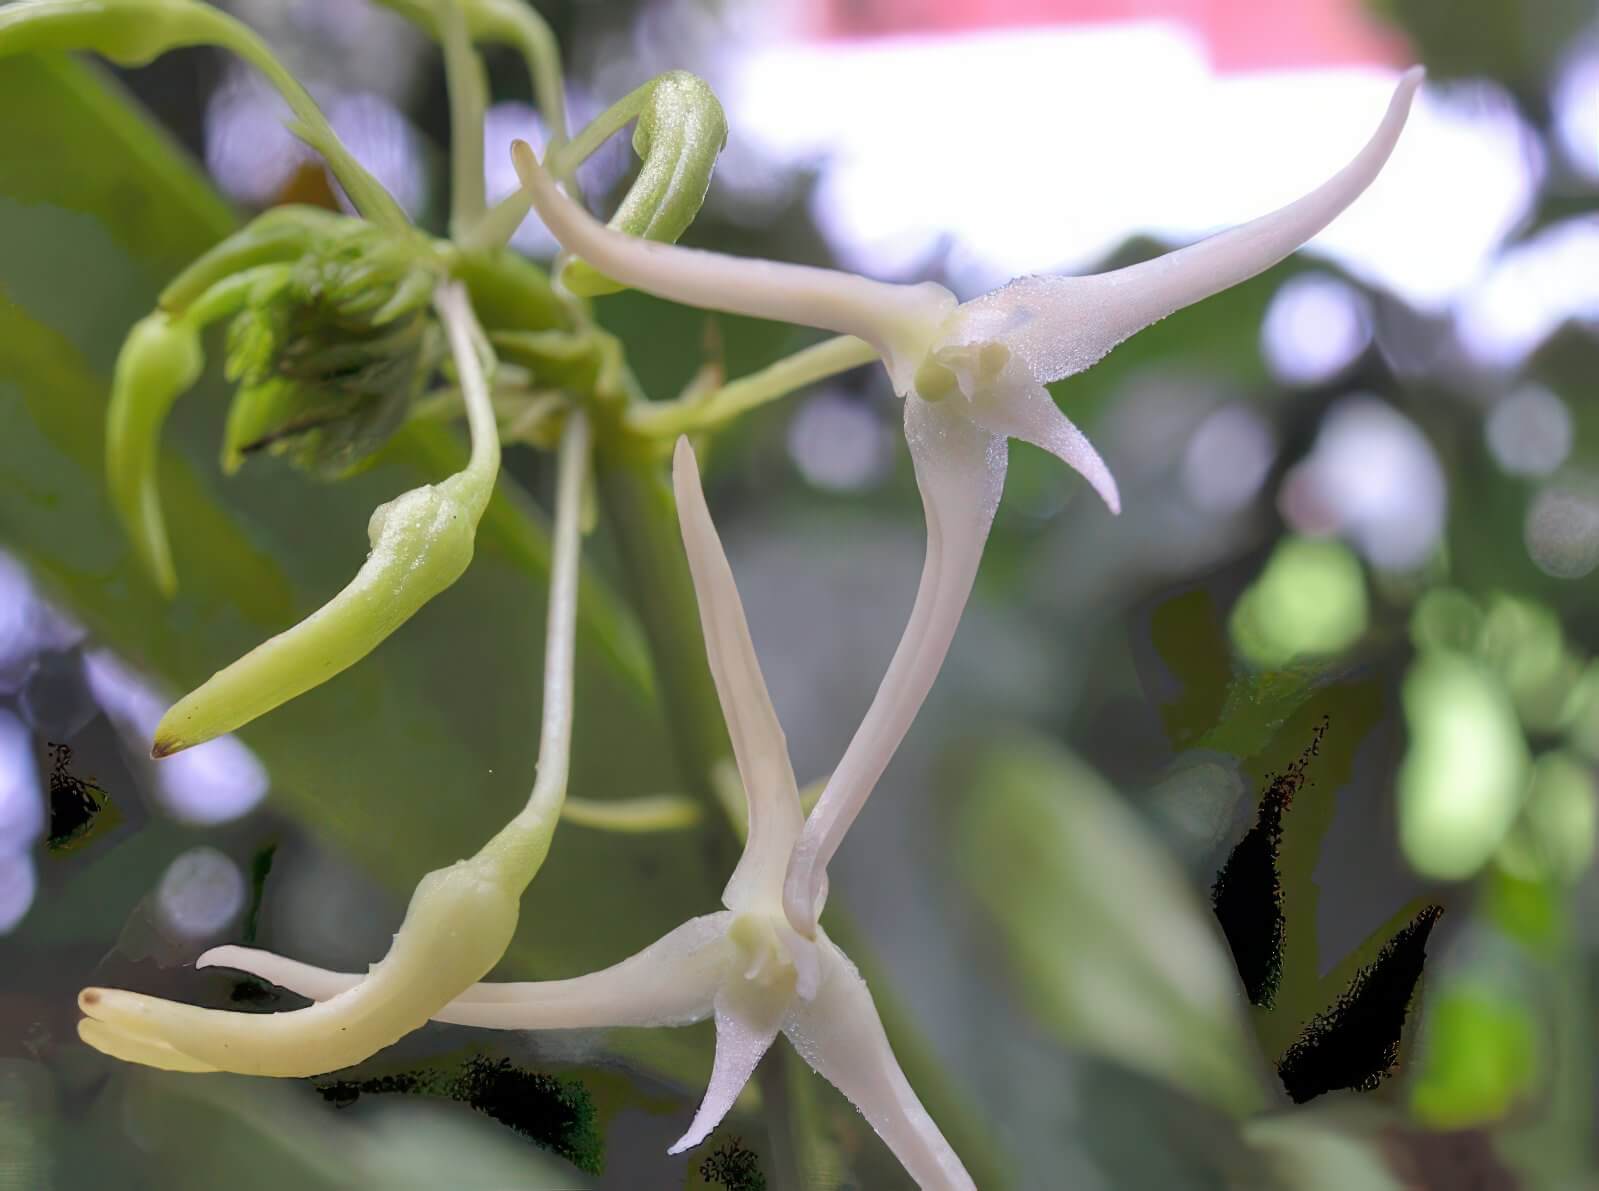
1112	949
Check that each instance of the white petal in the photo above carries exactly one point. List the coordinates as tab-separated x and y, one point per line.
898	320
456	928
960	468
671	982
1062	325
1023	408
770	791
747	1019
840	1035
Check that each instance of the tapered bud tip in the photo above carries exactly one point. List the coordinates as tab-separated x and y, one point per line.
88	998
524	162
165	746
683	454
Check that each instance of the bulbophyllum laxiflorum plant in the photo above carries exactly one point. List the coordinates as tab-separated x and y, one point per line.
341	326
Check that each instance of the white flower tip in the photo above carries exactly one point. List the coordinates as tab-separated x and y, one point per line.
526	164
683	460
221	957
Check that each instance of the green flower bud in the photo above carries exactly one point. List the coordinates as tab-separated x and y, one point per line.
680	132
330	354
421	544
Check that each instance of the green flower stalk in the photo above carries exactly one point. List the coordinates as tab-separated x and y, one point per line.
421	544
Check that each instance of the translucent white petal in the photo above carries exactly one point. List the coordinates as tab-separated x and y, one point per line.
898	320
840	1035
747	1018
770	791
960	468
456	928
1022	408
1062	325
671	982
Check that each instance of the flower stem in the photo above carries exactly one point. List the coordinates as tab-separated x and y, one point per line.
667	419
525	840
463	72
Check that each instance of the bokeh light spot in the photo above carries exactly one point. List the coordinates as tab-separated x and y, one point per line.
1310	601
1465	773
1529	431
1562	528
1314	328
201	892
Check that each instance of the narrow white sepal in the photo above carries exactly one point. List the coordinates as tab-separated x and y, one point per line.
897	320
960	469
747	1018
1022	408
770	792
1062	325
839	1033
671	982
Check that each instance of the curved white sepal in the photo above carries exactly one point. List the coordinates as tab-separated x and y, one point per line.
747	1019
960	468
839	1033
897	320
1062	325
771	794
671	982
1020	407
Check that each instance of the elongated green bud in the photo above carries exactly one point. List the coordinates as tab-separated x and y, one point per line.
680	132
421	543
160	359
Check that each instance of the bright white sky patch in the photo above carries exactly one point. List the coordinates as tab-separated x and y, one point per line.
1530	291
1042	150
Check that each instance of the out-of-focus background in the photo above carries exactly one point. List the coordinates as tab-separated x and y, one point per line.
1356	559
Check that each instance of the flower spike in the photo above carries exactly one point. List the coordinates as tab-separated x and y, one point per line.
744	966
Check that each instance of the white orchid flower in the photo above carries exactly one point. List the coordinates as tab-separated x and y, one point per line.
744	966
972	375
